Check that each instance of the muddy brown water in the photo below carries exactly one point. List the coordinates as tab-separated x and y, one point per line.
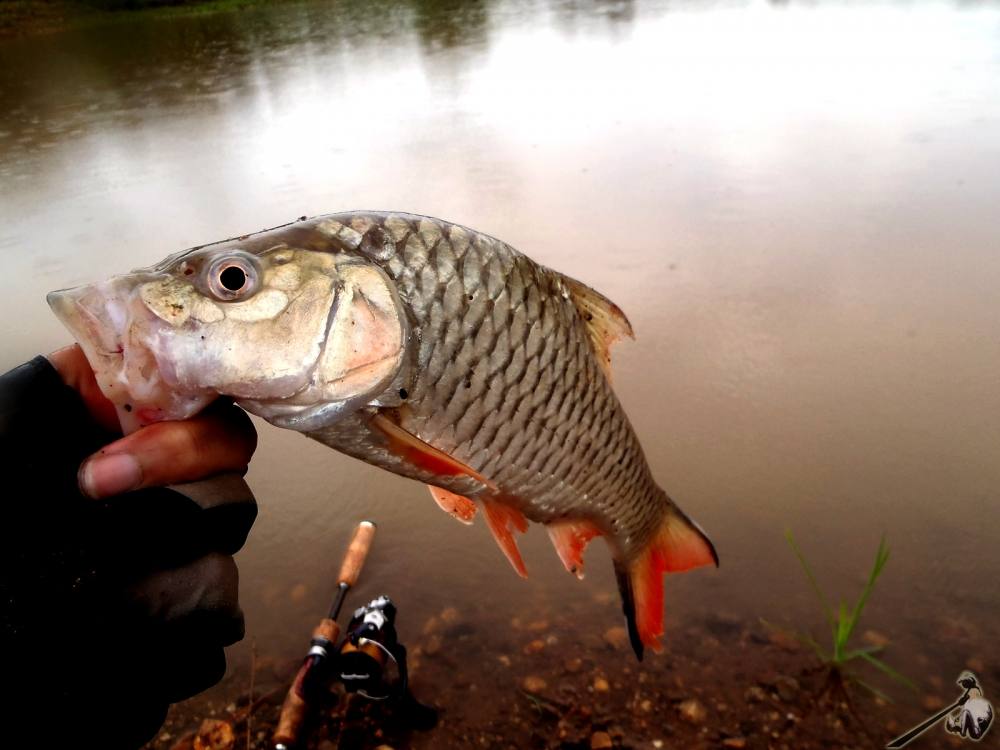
796	205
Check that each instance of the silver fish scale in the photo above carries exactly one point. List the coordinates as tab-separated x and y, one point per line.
508	383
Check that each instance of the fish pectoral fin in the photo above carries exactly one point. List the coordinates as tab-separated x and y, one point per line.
605	321
424	455
679	544
570	538
503	521
459	507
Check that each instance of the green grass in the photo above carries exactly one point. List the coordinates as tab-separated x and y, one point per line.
843	622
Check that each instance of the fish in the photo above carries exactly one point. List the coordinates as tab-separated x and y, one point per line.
420	346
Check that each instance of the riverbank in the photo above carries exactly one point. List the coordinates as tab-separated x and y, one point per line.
20	18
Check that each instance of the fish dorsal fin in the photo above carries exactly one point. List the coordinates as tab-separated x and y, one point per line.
605	321
570	538
503	521
461	508
424	455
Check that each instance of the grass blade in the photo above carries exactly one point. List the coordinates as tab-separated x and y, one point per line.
812	580
887	670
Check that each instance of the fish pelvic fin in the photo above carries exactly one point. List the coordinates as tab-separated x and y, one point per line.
604	320
423	455
503	521
570	538
461	508
679	544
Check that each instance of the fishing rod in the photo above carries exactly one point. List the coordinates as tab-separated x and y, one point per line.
324	641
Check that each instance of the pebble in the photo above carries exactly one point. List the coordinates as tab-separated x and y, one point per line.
616	637
433	645
601	685
692	711
600	741
449	615
504	659
538	625
755	694
787	687
735	742
431	625
875	638
214	734
976	664
573	665
534	647
932	703
534	684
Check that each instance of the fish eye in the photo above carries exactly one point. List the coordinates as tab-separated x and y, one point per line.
233	277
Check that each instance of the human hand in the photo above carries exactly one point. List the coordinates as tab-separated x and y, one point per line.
145	576
219	440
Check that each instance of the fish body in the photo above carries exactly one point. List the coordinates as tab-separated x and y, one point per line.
423	347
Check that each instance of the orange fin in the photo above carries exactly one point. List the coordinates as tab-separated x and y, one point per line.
424	455
503	520
461	508
678	545
605	321
570	538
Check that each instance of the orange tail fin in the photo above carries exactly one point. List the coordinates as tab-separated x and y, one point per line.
678	545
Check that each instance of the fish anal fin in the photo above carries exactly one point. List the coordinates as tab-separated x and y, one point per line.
424	455
678	545
503	521
570	538
458	506
605	321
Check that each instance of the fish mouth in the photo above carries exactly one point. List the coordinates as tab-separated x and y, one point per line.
118	336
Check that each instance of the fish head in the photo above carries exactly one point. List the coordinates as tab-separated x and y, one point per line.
297	332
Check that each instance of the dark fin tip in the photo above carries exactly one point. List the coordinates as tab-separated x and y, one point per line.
628	608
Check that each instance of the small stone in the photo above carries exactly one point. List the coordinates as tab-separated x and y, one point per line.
573	665
616	637
932	703
735	742
875	638
433	645
214	734
604	597
646	706
431	625
657	744
600	741
601	685
534	684
449	615
692	711
384	747
755	694
298	592
787	687
538	625
504	659
534	647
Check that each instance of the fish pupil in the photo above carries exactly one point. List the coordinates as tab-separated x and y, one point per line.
233	278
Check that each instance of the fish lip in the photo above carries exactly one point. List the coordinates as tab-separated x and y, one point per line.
100	317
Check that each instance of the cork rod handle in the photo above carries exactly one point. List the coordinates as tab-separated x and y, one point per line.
357	551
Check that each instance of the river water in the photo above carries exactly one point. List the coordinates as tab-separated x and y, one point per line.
796	205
